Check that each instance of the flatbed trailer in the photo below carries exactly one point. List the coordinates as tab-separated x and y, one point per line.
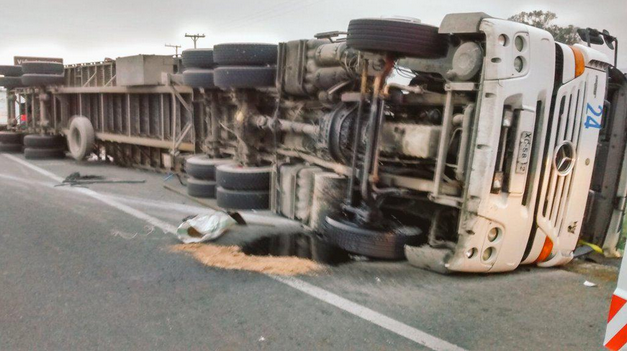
139	126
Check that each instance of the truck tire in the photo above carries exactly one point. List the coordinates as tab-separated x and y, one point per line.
198	58
81	137
243	200
235	177
199	78
42	68
388	244
43	154
11	138
396	36
324	252
10	82
201	188
11	148
244	77
204	168
42	79
10	71
44	141
245	54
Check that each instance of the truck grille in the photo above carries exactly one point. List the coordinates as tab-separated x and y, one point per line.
565	128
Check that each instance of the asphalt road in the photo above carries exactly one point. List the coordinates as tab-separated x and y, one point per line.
75	276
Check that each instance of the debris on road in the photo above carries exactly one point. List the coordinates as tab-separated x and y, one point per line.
589	284
203	228
232	258
76	179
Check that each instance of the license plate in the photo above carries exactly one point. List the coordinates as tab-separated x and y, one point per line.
524	152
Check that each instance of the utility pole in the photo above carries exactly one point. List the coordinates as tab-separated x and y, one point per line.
176	47
194	37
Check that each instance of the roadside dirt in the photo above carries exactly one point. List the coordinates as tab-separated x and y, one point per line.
593	270
231	257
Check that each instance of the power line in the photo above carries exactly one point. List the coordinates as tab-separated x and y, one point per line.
267	11
281	13
194	37
288	8
176	48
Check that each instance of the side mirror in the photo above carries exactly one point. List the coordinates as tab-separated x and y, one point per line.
590	36
609	40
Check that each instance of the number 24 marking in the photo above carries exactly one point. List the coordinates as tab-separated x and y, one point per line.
593	121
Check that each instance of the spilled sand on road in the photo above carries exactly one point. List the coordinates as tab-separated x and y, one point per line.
231	257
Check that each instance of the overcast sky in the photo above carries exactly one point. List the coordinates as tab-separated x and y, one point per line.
87	30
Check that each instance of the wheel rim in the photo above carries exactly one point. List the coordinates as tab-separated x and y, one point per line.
76	140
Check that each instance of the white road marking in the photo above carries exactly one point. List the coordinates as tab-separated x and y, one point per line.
371	316
120	206
385	322
52	164
27	182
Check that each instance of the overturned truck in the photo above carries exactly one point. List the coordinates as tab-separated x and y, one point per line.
500	146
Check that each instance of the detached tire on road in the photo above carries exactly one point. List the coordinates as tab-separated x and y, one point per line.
42	79
235	177
55	68
396	36
43	154
81	137
245	54
10	71
204	168
243	200
11	148
244	77
199	78
44	141
198	58
201	188
11	138
388	244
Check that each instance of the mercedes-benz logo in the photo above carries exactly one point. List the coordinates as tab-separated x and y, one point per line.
564	158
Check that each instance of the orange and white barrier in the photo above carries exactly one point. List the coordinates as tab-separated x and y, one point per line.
616	332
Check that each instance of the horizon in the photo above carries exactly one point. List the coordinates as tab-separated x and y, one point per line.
124	28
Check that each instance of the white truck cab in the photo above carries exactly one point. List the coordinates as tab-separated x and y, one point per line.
532	152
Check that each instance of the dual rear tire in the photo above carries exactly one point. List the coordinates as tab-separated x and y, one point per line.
245	65
11	142
199	64
44	147
42	73
202	175
11	76
243	188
